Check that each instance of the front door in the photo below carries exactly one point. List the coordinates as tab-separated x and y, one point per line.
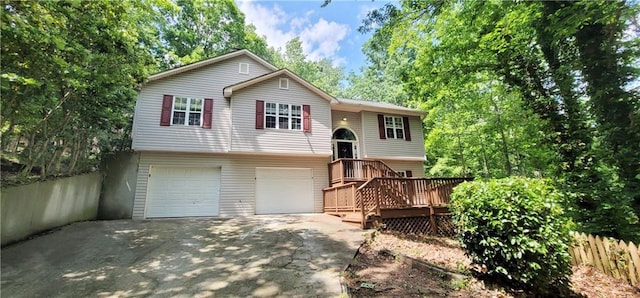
345	144
345	149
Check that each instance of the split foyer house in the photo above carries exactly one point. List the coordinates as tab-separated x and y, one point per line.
234	135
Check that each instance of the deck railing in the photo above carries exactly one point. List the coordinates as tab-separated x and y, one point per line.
386	193
349	170
341	198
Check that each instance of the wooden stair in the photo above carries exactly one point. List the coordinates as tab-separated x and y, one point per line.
352	217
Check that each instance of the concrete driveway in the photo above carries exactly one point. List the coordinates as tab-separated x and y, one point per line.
283	255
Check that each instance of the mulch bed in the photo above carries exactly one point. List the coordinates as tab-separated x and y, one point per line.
375	272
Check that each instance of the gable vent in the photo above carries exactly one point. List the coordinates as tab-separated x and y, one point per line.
284	83
244	68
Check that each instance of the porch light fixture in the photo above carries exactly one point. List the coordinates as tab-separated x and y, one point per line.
344	118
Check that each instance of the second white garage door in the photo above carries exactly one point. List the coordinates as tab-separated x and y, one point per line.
280	190
183	191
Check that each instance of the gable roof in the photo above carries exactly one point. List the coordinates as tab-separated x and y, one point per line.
228	91
356	105
342	104
210	61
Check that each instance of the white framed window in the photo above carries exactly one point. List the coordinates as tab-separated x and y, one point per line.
402	173
243	68
284	83
186	111
394	127
296	117
283	116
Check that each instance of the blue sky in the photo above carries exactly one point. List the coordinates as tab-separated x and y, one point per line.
326	32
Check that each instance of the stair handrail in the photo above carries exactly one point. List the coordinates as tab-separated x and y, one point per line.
399	196
376	184
359	190
390	169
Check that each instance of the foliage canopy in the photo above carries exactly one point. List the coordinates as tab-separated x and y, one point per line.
537	89
70	69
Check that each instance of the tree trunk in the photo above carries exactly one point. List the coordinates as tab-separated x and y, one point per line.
54	164
79	145
485	162
6	137
503	139
615	110
576	136
461	150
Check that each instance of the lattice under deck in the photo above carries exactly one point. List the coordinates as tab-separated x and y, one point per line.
421	225
445	225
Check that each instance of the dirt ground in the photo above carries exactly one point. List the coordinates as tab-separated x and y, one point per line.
375	273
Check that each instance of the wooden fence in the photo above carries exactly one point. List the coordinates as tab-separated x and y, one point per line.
610	256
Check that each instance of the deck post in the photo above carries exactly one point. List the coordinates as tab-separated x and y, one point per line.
411	189
430	193
353	197
342	171
378	195
363	221
434	229
336	205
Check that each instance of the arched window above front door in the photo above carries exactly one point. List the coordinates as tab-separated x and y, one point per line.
344	134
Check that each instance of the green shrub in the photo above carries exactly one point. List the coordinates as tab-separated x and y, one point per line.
515	227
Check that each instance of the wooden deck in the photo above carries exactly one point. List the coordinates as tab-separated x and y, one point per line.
368	192
343	171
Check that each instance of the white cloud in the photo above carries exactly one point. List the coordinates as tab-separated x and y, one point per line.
319	40
267	21
298	23
322	39
339	61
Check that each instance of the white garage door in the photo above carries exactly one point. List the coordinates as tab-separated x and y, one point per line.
183	191
280	190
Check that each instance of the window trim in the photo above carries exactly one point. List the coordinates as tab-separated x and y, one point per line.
281	85
394	126
187	111
240	65
277	115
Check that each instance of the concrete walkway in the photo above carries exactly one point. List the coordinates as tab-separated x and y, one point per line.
260	256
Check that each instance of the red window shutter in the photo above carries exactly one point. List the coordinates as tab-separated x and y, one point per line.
408	173
407	131
381	130
306	118
208	113
259	114
165	115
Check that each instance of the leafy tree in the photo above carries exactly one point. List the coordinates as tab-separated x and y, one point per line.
380	80
59	84
70	69
524	88
322	73
190	31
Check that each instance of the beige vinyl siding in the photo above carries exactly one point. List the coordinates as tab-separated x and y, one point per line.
354	122
246	138
205	82
237	191
374	147
416	167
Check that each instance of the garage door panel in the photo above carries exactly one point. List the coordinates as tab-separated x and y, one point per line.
183	191
280	190
285	173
